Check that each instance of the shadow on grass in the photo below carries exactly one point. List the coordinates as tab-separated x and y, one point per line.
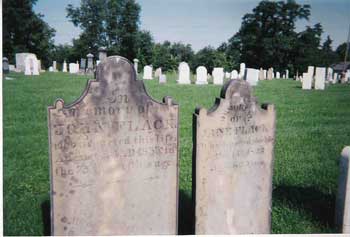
321	206
45	212
186	214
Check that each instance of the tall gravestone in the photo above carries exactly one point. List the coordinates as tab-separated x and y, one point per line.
241	70
54	66
114	158
147	73
90	63
218	75
158	72
270	74
184	73
82	64
64	69
201	75
234	74
278	75
252	76
102	53
31	65
136	64
261	74
5	65
320	78
342	213
287	74
307	81
234	144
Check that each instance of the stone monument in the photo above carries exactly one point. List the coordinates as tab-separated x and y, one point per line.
114	158
184	73
218	75
234	150
201	76
5	65
147	72
90	64
136	63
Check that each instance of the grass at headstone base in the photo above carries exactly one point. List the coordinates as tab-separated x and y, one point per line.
312	128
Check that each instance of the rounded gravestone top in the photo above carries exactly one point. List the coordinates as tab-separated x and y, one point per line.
102	49
136	60
90	55
4	59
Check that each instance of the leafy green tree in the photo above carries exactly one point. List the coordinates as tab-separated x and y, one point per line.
110	23
340	52
267	35
163	58
182	52
25	31
210	58
144	47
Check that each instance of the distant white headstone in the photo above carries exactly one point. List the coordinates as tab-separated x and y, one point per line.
307	81
20	58
252	76
234	74
227	75
136	63
218	76
278	75
54	65
158	72
162	78
329	74
73	68
335	78
201	75
50	69
241	70
64	66
287	74
31	65
184	73
147	72
265	75
320	78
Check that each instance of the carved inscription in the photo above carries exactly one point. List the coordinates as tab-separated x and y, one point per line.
114	158
234	154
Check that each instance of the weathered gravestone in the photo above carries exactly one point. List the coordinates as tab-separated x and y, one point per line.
218	75
342	213
90	63
278	75
82	64
136	64
54	65
241	70
147	72
234	144
31	65
158	72
114	158
320	78
102	53
162	78
261	74
201	75
64	69
252	76
234	74
307	81
184	73
5	65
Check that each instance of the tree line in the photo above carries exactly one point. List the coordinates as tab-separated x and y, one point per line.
267	37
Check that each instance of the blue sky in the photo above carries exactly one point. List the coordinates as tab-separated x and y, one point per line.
201	22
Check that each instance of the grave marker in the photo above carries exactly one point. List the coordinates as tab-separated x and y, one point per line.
234	162
147	72
201	75
218	75
184	73
320	78
114	158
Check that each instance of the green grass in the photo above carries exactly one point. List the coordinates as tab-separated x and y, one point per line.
312	129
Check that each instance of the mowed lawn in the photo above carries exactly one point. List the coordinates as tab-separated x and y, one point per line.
312	128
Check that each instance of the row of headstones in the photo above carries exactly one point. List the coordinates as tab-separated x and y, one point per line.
318	77
114	161
249	74
75	67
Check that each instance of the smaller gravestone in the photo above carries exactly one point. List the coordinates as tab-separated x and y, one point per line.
270	74
162	79
102	53
287	74
184	73
5	65
227	75
64	66
158	72
335	78
342	212
234	74
265	75
252	76
136	64
234	150
83	64
147	72
73	68
54	66
12	68
218	76
278	75
90	63
320	78
307	81
241	70
50	69
201	75
261	74
31	65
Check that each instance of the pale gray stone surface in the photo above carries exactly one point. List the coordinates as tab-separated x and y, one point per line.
136	64
64	69
342	212
184	73
5	65
218	75
234	144
20	58
234	74
102	53
307	81
241	70
252	76
320	78
31	65
162	78
114	158
147	72
158	72
201	75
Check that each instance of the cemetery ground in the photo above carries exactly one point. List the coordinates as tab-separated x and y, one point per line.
312	129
